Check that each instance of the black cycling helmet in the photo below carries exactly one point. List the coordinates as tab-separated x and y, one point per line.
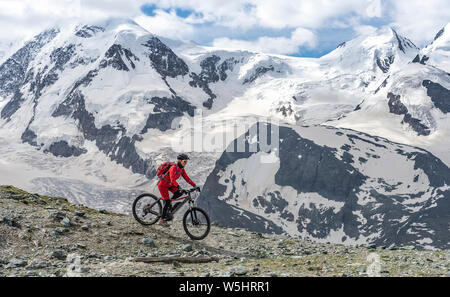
183	157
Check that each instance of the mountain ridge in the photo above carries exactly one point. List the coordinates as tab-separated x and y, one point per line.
342	177
96	108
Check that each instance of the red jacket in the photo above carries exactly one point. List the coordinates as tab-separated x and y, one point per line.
170	179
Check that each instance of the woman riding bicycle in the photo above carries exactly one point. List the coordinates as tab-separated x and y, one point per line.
147	208
169	183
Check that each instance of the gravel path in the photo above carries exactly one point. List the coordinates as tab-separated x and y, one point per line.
47	236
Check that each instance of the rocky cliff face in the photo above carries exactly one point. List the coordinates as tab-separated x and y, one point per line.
333	185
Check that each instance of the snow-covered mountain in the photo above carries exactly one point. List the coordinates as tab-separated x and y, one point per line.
438	52
332	185
381	52
411	105
7	48
88	111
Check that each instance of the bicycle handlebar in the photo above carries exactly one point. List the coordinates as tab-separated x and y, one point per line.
191	190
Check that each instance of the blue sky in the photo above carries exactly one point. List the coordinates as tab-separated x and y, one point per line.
309	28
149	9
342	22
329	38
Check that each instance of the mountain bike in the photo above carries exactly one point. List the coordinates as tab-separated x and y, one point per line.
147	210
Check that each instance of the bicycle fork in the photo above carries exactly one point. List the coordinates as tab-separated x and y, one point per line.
194	217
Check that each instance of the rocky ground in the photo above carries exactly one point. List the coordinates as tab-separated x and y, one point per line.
48	236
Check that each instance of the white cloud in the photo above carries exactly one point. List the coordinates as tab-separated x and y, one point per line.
416	19
12	9
420	20
374	9
311	14
278	14
167	25
231	13
275	45
24	18
364	30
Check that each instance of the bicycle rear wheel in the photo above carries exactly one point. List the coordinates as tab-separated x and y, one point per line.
196	223
147	209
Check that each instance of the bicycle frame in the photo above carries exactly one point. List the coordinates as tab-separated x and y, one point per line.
186	198
194	217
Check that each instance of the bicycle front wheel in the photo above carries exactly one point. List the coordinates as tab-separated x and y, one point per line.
147	209
196	223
